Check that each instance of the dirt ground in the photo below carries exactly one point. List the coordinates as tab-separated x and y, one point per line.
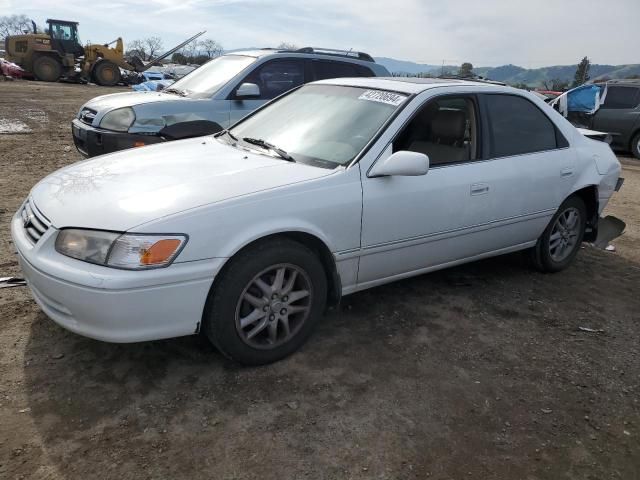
474	372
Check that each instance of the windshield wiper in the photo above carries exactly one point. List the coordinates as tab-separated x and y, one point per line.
177	91
268	146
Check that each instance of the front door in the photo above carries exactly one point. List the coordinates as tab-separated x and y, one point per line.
273	78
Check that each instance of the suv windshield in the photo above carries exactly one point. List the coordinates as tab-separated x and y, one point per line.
204	81
322	124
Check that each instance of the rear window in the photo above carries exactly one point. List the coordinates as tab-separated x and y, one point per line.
325	69
518	126
621	97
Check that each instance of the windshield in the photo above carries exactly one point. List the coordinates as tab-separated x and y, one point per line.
204	81
322	123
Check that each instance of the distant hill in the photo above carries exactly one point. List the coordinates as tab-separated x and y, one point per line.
514	74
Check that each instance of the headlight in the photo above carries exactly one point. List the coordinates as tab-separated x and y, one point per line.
129	251
119	120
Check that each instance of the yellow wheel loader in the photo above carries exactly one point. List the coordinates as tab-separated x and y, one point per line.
59	54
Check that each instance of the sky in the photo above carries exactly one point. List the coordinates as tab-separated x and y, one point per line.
484	32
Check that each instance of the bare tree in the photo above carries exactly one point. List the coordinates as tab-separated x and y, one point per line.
211	47
190	50
137	48
14	25
287	46
154	46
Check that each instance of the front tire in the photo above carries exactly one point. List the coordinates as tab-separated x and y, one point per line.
47	69
106	73
561	240
266	303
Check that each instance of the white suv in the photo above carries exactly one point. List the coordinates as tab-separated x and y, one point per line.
338	186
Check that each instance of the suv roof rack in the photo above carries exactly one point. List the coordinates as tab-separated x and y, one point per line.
472	79
334	52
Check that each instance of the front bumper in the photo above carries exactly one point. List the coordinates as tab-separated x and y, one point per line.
113	305
91	141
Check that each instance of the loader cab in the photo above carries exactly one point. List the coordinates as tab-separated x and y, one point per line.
64	37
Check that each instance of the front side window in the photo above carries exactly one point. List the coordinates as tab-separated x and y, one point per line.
62	32
517	126
445	130
621	97
206	80
276	77
322	124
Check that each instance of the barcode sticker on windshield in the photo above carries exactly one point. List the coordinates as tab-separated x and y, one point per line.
389	98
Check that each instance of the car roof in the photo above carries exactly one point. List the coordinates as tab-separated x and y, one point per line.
308	52
409	85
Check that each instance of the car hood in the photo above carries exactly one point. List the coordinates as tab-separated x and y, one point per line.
126	189
127	99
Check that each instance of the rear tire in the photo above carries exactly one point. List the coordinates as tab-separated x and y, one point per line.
561	240
635	146
47	69
106	73
254	316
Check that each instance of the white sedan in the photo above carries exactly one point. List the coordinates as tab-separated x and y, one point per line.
335	187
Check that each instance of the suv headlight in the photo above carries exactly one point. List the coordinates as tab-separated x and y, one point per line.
119	120
120	250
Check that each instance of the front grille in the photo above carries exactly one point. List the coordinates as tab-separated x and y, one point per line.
34	222
87	115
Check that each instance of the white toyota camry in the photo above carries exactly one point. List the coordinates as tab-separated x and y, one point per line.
335	187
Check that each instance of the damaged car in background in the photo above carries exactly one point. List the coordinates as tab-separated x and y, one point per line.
210	98
612	107
336	187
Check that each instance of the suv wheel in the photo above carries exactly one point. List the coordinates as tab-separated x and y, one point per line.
266	303
561	240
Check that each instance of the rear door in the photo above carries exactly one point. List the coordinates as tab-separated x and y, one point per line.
274	78
532	166
619	113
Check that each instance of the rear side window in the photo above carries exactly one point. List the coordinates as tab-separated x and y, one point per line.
517	126
621	97
325	69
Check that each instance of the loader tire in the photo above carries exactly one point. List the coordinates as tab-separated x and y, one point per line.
47	69
106	73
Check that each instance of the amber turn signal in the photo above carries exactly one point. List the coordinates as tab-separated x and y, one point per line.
159	252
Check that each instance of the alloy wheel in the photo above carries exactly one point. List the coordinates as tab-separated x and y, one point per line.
564	235
273	306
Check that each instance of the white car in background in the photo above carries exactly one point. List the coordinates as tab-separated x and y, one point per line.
336	187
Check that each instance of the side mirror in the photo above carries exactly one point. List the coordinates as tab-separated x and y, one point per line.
248	90
403	164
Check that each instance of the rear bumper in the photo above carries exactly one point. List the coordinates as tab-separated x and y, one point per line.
91	141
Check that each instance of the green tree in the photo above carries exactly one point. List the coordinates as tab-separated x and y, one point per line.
465	70
179	58
556	84
582	72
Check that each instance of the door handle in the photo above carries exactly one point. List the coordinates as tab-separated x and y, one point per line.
479	189
566	172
